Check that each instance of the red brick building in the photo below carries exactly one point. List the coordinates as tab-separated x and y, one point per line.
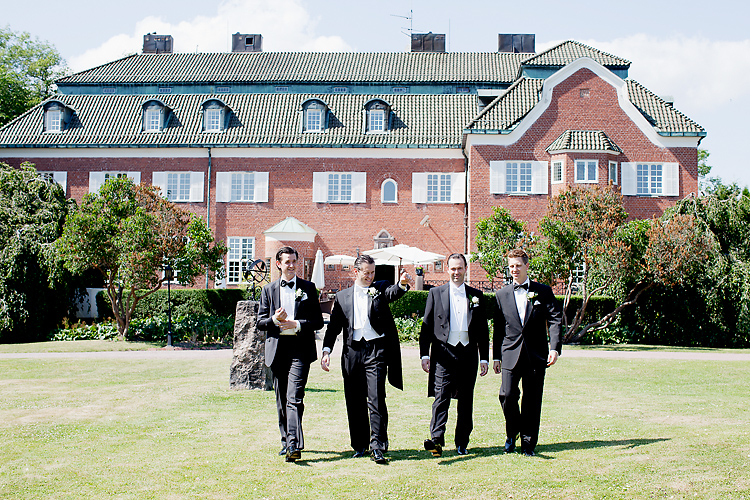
361	150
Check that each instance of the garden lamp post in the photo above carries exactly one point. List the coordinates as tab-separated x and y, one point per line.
169	275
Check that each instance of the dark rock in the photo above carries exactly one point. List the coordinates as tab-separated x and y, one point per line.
248	369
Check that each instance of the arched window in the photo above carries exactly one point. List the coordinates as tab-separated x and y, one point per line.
383	239
214	115
314	114
154	116
56	116
389	191
378	116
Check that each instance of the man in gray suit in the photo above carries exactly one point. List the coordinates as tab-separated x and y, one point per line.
371	349
454	337
526	310
290	314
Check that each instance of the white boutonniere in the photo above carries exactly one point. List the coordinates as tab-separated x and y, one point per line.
474	302
531	296
373	292
300	295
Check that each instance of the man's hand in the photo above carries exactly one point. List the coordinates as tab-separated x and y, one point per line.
483	369
288	324
405	278
496	366
325	361
426	365
280	315
552	358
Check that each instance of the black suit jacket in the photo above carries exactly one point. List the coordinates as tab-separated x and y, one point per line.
510	338
306	311
436	325
381	320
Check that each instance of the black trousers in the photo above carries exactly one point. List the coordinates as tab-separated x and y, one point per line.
523	420
289	380
364	370
455	374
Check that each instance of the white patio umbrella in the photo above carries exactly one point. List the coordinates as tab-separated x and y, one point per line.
317	274
404	254
339	260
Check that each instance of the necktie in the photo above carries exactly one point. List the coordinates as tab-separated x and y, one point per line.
290	284
516	286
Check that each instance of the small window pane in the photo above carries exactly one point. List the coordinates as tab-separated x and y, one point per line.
240	250
153	119
314	120
178	186
389	191
557	171
212	120
376	118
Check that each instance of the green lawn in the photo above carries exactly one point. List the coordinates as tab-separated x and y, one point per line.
171	429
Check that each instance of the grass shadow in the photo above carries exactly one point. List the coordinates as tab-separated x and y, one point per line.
596	443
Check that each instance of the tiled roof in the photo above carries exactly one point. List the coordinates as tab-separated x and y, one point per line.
567	52
583	140
659	112
305	67
504	113
507	110
257	119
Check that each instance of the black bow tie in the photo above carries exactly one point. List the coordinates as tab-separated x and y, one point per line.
516	286
290	284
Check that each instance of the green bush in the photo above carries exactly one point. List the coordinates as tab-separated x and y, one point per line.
97	331
185	302
408	328
185	328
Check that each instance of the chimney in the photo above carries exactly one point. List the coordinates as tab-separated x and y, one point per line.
157	44
428	42
516	44
247	43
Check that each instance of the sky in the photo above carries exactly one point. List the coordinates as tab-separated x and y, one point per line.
696	52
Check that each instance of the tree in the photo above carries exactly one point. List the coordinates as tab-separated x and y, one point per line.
34	289
28	70
496	235
129	233
585	236
703	167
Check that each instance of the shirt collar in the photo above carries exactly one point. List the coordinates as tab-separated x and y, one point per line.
458	289
527	283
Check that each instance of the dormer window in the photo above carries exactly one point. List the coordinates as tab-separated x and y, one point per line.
214	116
154	116
314	116
56	116
378	113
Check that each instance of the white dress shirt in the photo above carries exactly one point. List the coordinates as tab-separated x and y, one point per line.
288	299
458	315
522	300
362	327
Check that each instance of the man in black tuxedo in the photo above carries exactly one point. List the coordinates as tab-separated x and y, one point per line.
290	314
526	310
371	349
454	337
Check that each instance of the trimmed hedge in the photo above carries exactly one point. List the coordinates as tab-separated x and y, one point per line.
185	302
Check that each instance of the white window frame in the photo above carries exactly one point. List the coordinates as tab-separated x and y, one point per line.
554	165
225	181
376	121
152	119
586	163
313	125
395	191
539	177
670	182
237	256
194	194
613	172
58	177
327	187
212	119
419	187
97	179
439	187
53	120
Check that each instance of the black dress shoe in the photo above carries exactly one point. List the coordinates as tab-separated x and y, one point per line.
461	450
359	454
433	447
527	452
378	457
282	452
510	445
293	454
